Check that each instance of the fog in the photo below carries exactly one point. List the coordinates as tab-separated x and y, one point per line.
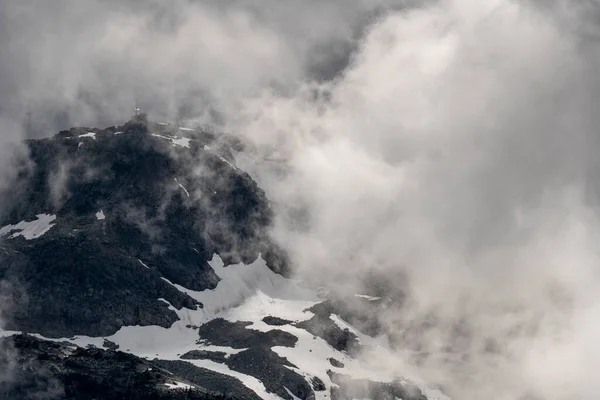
450	145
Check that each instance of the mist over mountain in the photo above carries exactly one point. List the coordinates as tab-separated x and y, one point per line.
359	199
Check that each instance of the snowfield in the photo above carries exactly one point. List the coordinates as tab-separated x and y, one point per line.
247	293
30	230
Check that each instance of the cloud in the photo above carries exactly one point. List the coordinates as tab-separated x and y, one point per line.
88	62
456	152
449	145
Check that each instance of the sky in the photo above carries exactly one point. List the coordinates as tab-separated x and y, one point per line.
449	145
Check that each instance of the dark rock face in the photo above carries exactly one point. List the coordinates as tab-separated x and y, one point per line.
358	312
220	332
217	356
140	210
325	328
165	210
214	383
276	321
36	369
336	363
273	371
258	360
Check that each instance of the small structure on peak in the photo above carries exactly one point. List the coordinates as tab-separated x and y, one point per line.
138	115
141	118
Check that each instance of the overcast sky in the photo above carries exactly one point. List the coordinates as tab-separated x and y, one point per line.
451	144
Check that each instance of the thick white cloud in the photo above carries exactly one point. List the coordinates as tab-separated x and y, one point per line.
454	150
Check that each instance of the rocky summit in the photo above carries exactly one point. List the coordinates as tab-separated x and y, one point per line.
136	263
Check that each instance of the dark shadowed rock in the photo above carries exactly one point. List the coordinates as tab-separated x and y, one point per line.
338	338
276	321
272	371
336	363
221	332
36	369
216	384
217	356
258	360
359	312
165	210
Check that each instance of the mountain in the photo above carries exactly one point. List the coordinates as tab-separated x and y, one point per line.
136	263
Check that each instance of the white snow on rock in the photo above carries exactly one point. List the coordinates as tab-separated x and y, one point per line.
240	283
30	230
230	164
178	385
291	394
89	134
370	298
186	129
181	186
100	215
141	262
362	338
183	142
254	289
207	148
175	140
250	293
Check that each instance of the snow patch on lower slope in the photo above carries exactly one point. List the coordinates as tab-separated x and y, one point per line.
241	282
249	293
175	140
245	292
311	354
178	385
30	230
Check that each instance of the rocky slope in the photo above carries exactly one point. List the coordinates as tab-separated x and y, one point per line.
120	220
138	260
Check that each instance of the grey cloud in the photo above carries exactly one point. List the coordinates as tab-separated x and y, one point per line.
87	62
458	148
452	148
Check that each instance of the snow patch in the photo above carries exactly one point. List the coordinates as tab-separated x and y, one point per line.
168	304
207	148
183	142
118	133
141	262
100	215
370	298
186	129
89	134
175	141
178	385
343	325
242	282
181	186
30	230
291	394
230	164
